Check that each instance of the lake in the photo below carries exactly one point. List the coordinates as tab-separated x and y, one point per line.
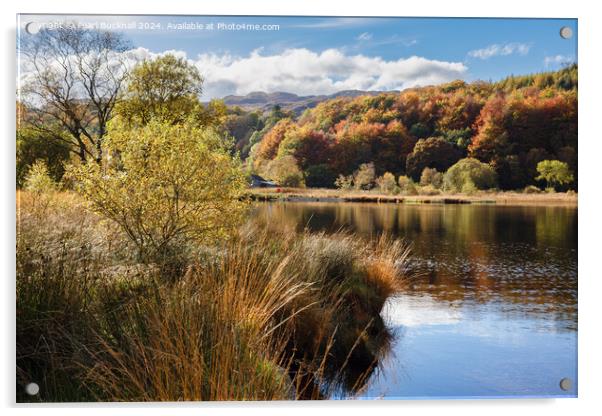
491	307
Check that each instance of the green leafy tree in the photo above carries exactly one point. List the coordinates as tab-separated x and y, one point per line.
168	89
554	172
165	185
469	175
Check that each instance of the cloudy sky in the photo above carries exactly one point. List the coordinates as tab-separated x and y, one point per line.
317	55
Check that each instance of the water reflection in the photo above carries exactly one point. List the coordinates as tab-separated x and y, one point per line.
497	282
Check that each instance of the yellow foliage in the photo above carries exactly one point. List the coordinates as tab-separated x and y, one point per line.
165	184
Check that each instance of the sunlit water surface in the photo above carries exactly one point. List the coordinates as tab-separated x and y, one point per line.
493	309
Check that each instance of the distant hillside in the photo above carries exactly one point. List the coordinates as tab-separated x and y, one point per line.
287	101
512	125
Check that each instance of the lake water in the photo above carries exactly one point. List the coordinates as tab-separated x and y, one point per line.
492	310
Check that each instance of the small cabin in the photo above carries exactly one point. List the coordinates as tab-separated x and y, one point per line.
259	182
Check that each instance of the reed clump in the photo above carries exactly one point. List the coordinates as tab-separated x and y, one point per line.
266	315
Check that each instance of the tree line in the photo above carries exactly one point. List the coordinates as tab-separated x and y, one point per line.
511	125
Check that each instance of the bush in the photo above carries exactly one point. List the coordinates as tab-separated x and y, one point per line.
344	182
429	190
285	172
38	179
159	189
387	184
432	177
469	175
554	173
407	186
33	146
364	177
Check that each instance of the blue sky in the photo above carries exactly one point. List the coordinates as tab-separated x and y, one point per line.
309	55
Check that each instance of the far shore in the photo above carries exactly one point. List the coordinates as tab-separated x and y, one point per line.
344	196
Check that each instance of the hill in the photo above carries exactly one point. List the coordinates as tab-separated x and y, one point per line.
511	125
294	103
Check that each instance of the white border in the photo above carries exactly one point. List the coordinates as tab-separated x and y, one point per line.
590	151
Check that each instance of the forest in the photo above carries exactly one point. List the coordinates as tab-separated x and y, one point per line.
511	125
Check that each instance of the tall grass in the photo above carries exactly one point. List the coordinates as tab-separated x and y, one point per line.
268	315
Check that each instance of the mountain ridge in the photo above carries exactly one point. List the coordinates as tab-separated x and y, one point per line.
263	101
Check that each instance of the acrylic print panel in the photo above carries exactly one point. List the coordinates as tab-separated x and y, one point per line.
281	208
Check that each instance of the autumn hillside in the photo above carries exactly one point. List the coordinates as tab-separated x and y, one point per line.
511	125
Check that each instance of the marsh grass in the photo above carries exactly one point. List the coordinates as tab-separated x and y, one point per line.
271	314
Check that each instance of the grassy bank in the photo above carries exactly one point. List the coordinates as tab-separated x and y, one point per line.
266	315
479	197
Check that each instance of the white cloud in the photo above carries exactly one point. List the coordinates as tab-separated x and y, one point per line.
305	72
500	50
364	36
557	60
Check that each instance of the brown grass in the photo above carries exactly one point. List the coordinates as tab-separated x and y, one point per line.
336	195
269	315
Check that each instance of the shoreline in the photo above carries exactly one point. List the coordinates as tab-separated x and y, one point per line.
336	196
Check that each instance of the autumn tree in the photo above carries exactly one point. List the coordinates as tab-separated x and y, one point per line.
268	147
387	184
517	131
364	177
431	176
166	88
172	184
285	172
307	146
71	84
434	152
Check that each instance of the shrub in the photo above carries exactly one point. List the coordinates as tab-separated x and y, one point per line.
285	172
160	190
469	175
387	184
554	173
364	177
38	179
33	146
344	182
407	186
429	190
432	177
